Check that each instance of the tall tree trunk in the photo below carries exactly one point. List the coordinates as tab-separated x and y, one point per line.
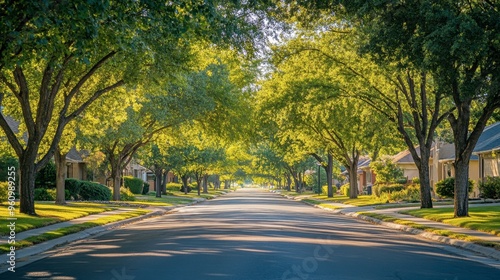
61	170
353	175
461	202
205	183
425	182
217	182
329	175
163	186
158	178
116	176
288	181
184	179
27	185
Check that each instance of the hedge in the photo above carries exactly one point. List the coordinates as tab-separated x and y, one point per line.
173	187
446	187
73	187
378	190
85	190
490	188
135	185
94	191
324	189
345	189
126	194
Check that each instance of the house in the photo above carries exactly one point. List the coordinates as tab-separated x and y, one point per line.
404	161
366	176
488	152
443	167
76	167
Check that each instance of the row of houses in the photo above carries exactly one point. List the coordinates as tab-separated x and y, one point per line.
484	162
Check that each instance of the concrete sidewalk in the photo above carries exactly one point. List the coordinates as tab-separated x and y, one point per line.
351	210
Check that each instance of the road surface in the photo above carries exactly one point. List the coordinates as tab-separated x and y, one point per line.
253	235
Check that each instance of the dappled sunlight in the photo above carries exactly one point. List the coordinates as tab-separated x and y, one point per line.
232	238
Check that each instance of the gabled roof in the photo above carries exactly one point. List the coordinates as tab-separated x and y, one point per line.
74	156
489	140
404	157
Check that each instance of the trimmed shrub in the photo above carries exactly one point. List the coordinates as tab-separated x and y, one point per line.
145	188
42	194
173	186
401	181
73	186
4	191
446	187
94	191
126	194
390	188
345	189
135	185
490	188
410	194
324	189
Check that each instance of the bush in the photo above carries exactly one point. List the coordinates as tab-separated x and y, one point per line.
390	188
345	189
401	181
4	191
126	194
135	185
446	187
324	189
73	186
42	194
145	188
410	194
46	178
490	188
94	191
415	180
173	186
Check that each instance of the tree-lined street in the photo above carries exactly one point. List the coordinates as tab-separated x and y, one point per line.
251	234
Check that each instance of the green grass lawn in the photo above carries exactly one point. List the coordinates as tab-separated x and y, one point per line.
164	200
320	203
30	241
437	231
294	193
49	213
362	200
482	218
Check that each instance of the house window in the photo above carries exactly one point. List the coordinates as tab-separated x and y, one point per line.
491	166
369	178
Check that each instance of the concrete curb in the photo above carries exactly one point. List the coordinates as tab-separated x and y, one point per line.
41	248
485	251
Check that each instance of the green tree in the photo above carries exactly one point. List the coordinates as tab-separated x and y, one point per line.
59	57
457	43
386	170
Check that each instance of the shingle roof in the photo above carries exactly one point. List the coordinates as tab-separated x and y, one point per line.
489	139
74	155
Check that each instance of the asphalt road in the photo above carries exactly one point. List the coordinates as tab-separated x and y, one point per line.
254	235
